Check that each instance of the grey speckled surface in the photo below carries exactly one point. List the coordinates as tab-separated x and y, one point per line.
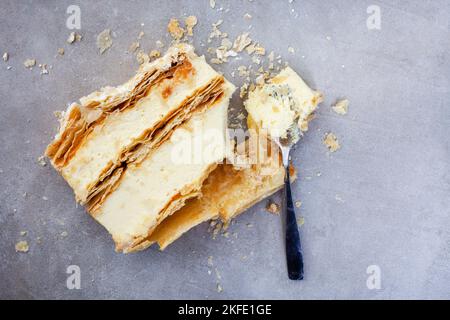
392	173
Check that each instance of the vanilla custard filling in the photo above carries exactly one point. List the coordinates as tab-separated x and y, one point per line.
147	188
285	100
120	129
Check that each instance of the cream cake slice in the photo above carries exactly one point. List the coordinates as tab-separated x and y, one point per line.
118	125
159	185
152	158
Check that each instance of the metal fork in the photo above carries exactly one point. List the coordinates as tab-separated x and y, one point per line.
294	254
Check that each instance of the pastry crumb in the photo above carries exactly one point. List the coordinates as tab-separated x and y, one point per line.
298	204
212	3
141	35
142	57
331	142
300	221
29	63
5	56
247	16
174	29
61	51
73	36
22	246
159	44
190	22
23	233
154	54
273	208
133	47
291	50
41	161
104	40
341	107
44	69
64	234
242	41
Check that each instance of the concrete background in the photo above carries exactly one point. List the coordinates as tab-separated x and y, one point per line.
383	199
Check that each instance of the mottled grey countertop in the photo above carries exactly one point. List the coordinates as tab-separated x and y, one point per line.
380	204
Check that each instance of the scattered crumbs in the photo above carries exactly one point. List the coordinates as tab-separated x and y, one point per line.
59	115
328	38
212	3
209	272
247	16
242	41
22	246
73	36
273	208
341	107
64	234
319	174
216	230
104	40
142	57
159	44
260	80
23	233
24	195
41	161
338	198
174	29
39	240
300	221
61	51
243	90
291	50
133	47
141	35
5	56
190	22
210	261
43	68
298	204
29	63
216	61
331	142
243	71
44	198
249	225
154	54
226	234
218	276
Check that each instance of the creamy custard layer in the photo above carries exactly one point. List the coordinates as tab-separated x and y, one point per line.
160	184
105	144
285	100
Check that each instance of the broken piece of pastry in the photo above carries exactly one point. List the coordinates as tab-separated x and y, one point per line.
284	100
150	158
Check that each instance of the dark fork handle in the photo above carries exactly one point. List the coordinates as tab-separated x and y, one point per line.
293	246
